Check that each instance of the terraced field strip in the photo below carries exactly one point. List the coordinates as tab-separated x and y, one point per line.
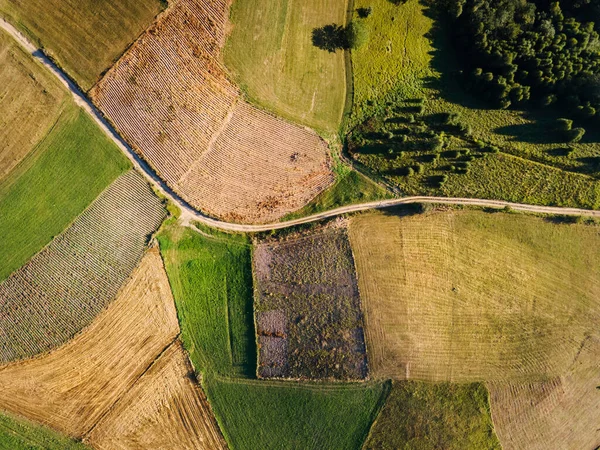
64	287
468	296
84	36
282	70
32	100
166	408
171	99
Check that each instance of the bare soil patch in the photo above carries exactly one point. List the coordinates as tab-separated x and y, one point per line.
307	308
63	288
171	99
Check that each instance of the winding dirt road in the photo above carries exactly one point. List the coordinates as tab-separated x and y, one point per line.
189	215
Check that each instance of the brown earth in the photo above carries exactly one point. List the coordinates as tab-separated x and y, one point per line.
110	371
170	97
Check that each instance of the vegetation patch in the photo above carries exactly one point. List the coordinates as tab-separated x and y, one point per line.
64	174
467	295
32	100
307	312
429	416
270	53
415	124
84	36
66	285
20	434
286	416
211	278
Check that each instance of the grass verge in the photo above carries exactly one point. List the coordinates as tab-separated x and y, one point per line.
21	434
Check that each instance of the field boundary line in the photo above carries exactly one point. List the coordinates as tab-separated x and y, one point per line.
189	214
174	341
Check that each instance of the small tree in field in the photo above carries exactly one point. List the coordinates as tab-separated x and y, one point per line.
356	35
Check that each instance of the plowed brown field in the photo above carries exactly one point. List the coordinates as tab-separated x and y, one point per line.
166	409
66	285
171	99
124	379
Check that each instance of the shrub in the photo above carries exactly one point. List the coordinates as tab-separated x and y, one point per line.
363	13
575	134
563	124
419	169
410	172
356	35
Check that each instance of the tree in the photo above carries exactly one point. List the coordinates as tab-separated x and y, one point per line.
356	35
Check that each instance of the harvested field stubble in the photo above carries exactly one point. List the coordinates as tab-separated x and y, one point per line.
307	308
468	296
65	286
31	101
73	387
171	99
165	409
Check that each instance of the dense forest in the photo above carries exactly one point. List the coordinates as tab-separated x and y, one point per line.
536	52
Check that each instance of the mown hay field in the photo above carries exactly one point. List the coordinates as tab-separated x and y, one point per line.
17	433
32	100
271	55
72	387
211	278
434	416
307	309
171	99
408	58
285	416
65	286
67	170
84	36
469	296
559	412
166	408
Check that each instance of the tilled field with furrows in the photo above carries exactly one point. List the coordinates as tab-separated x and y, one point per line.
64	287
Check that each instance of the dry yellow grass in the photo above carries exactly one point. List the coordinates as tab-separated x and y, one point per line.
562	412
166	409
171	99
469	296
31	100
71	388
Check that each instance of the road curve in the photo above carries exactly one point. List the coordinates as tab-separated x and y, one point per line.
189	214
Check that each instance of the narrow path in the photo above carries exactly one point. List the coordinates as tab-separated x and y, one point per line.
189	214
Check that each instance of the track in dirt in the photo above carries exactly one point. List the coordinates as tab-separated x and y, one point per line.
189	214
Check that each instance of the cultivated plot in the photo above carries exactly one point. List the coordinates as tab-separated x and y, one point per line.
171	99
468	296
307	309
271	55
32	100
65	286
165	409
73	387
84	36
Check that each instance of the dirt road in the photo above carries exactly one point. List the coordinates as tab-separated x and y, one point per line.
189	215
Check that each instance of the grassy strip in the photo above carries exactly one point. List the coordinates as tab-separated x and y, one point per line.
21	434
428	416
68	169
282	70
84	36
350	188
211	279
266	415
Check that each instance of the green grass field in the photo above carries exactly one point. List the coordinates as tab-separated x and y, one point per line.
53	185
407	58
211	278
271	55
434	416
465	295
349	188
84	36
21	434
261	415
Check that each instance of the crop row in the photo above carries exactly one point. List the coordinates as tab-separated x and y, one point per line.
64	287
